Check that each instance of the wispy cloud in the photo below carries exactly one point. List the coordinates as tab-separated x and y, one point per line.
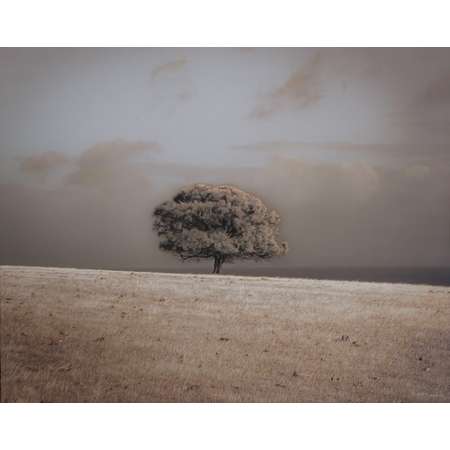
274	146
168	68
171	84
115	165
42	163
300	90
400	151
111	166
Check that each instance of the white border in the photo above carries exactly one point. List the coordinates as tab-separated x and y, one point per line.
225	426
227	23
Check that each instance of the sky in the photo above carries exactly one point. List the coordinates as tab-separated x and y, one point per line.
350	145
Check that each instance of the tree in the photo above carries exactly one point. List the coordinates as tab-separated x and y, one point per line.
222	222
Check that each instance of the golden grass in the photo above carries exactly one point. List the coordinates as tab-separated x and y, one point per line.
99	336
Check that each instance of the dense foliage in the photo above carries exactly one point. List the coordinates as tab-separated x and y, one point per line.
219	222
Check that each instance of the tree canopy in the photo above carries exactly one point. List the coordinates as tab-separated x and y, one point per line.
221	222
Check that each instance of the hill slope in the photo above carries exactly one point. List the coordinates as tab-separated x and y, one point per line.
86	335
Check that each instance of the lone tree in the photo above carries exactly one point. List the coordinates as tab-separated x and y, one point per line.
218	222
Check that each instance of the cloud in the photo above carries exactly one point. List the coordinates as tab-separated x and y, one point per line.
396	153
113	166
168	68
300	90
43	162
171	85
274	146
40	166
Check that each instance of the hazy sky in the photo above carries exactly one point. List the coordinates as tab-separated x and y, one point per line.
352	146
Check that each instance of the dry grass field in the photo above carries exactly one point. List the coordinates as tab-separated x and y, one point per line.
102	336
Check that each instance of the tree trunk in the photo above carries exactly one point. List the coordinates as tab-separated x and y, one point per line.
219	264
218	261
